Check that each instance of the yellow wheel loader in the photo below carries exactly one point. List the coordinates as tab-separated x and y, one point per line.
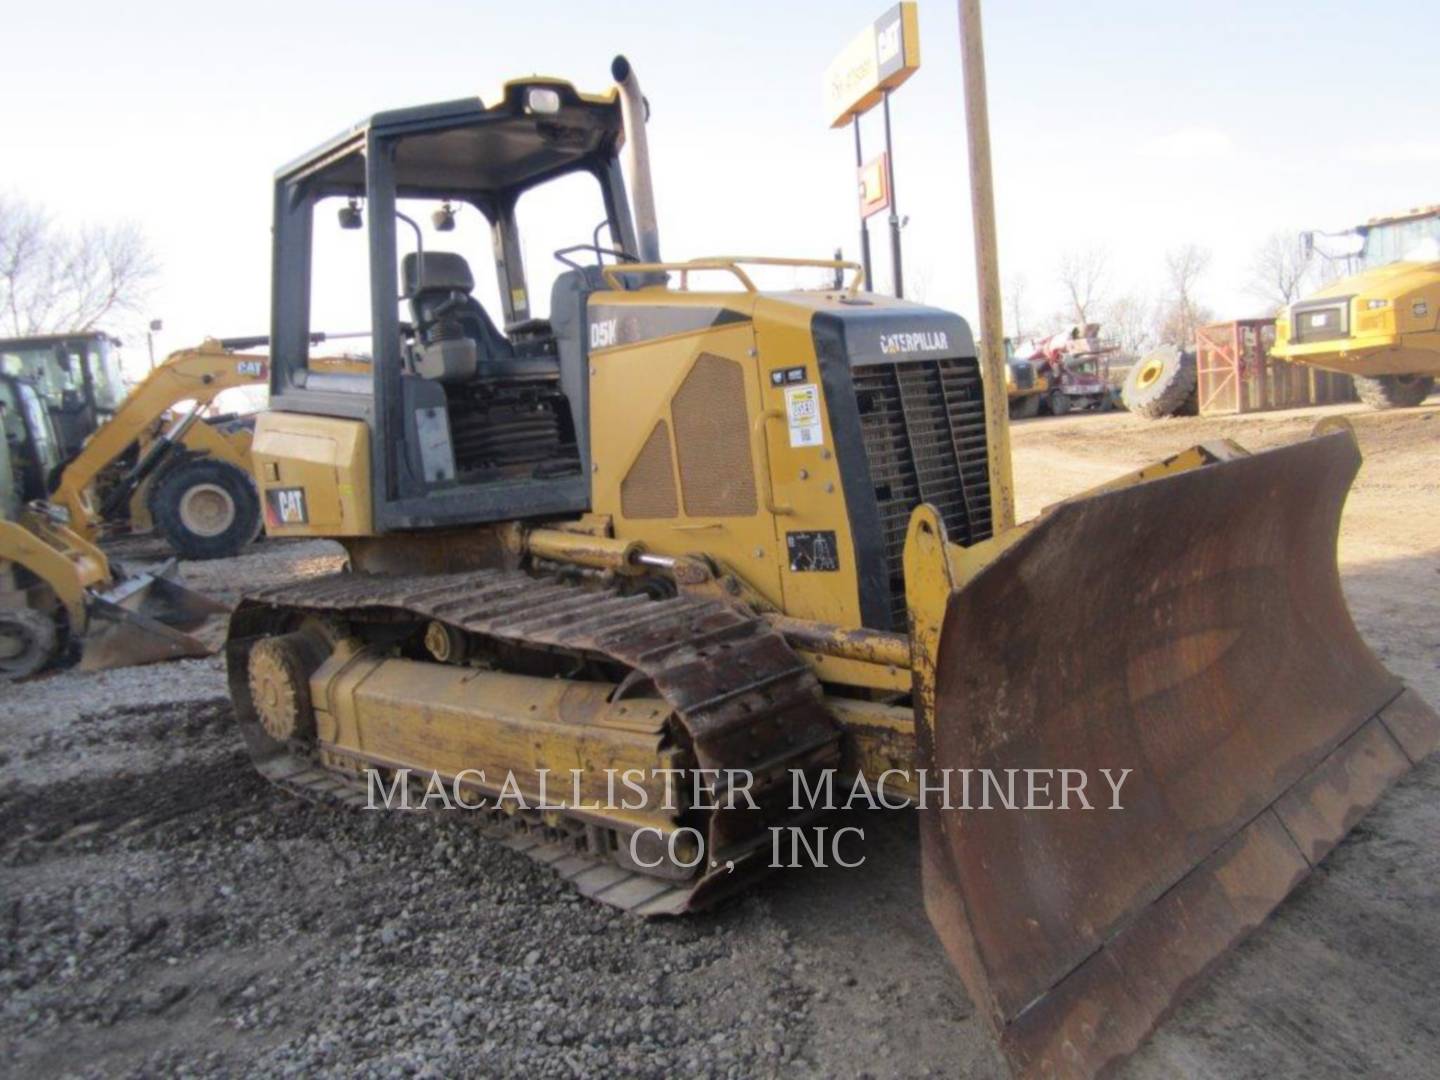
1380	325
59	594
185	475
633	573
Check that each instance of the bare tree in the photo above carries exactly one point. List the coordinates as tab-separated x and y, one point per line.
56	281
1082	274
1130	321
1279	269
1180	314
1015	289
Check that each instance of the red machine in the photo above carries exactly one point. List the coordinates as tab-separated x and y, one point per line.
1076	363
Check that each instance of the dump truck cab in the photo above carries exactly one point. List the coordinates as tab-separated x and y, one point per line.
78	376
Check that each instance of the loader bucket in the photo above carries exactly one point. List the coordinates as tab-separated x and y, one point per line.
1190	629
147	618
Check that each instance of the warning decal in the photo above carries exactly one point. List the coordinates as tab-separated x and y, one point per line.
812	551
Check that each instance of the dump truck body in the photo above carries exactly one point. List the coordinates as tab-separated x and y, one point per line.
1380	323
1384	321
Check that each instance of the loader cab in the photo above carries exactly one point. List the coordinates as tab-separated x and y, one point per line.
77	375
30	451
463	216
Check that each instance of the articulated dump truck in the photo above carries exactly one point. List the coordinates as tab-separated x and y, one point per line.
681	526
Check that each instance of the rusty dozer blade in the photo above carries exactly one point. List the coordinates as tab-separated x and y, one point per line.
1190	629
147	618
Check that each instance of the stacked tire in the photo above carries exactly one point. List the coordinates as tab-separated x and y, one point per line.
1162	383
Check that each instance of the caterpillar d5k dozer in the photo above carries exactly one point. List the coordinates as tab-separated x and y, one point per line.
58	592
733	533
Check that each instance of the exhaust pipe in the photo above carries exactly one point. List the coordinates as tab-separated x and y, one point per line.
642	189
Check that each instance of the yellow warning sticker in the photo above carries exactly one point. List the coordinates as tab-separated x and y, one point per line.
802	411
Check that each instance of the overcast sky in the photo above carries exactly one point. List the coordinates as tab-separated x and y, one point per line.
1137	126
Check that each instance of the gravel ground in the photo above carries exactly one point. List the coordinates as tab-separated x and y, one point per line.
177	915
162	910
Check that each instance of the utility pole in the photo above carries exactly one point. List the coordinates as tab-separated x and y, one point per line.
987	268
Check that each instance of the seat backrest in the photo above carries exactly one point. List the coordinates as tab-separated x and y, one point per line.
455	334
435	272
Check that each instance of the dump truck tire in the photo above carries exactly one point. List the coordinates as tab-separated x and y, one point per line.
1161	384
206	509
1026	407
1393	391
29	641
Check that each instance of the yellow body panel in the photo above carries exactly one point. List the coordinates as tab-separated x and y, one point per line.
326	458
809	495
1394	319
796	488
631	388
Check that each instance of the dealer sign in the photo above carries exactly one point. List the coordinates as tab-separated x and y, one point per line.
883	56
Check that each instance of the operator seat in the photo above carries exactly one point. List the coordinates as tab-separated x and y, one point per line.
454	337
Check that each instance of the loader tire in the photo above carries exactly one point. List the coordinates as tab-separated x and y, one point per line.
1161	383
1393	391
206	509
29	640
1059	403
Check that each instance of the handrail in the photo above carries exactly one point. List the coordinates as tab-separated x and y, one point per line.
760	431
730	264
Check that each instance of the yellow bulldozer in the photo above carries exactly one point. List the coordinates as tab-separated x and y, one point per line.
718	541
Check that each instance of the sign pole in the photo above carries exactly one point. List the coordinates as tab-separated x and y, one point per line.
987	268
880	58
864	222
896	275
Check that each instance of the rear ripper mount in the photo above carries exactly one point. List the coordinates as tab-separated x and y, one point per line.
697	684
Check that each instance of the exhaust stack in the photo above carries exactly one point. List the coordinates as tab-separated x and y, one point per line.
642	188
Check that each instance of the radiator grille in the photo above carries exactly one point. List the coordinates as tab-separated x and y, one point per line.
923	425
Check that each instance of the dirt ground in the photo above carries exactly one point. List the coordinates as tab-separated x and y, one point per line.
163	911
